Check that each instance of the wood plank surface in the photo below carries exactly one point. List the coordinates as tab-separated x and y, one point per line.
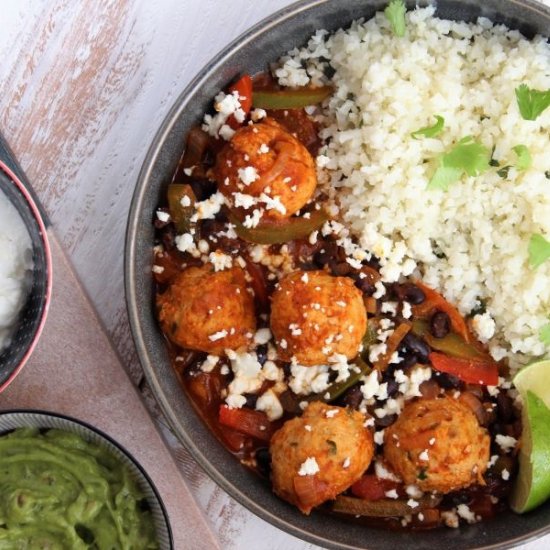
84	85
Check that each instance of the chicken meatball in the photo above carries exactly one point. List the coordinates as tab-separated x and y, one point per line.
208	311
315	316
266	170
319	455
438	445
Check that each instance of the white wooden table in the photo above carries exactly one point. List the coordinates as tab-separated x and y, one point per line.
84	84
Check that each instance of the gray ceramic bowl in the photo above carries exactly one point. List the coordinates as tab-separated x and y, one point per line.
11	420
251	53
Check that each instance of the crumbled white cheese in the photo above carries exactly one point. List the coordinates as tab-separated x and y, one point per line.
379	437
346	462
241	200
209	363
370	385
406	310
383	473
208	208
218	335
273	203
307	380
270	404
505	474
380	290
163	216
389	307
257	114
413	491
158	269
409	386
331	413
465	513
391	494
450	518
412	503
424	455
262	336
220	261
248	175
309	467
506	442
264	148
226	132
186	243
252	220
247	373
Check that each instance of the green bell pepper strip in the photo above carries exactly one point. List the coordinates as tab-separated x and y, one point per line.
290	99
283	232
451	344
181	215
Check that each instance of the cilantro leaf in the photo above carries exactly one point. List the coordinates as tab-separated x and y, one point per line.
544	334
430	131
539	250
531	103
524	157
467	156
443	177
395	12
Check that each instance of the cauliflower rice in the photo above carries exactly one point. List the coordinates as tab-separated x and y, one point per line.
470	242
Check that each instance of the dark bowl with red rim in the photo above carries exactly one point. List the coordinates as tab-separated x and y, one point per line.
252	53
33	314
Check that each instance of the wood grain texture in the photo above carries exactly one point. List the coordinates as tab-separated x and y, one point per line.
84	85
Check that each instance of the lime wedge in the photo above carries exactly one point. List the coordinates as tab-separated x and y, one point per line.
532	486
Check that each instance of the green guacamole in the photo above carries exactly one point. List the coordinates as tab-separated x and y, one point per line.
59	492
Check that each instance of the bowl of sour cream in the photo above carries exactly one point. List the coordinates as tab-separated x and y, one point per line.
25	275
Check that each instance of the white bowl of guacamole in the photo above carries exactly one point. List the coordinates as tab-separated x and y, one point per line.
66	485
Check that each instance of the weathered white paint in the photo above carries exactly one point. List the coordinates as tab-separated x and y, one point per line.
84	84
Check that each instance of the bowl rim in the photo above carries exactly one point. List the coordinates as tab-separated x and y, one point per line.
178	107
49	274
98	431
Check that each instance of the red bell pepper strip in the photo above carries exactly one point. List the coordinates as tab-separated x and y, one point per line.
371	487
247	421
244	88
472	371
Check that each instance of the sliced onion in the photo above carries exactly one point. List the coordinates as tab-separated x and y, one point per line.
383	508
468	398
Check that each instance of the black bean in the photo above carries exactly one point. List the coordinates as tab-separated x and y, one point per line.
459	497
364	285
440	324
263	460
416	345
203	188
168	237
411	293
448	381
351	398
340	269
326	255
251	399
409	359
385	421
505	407
261	354
393	387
